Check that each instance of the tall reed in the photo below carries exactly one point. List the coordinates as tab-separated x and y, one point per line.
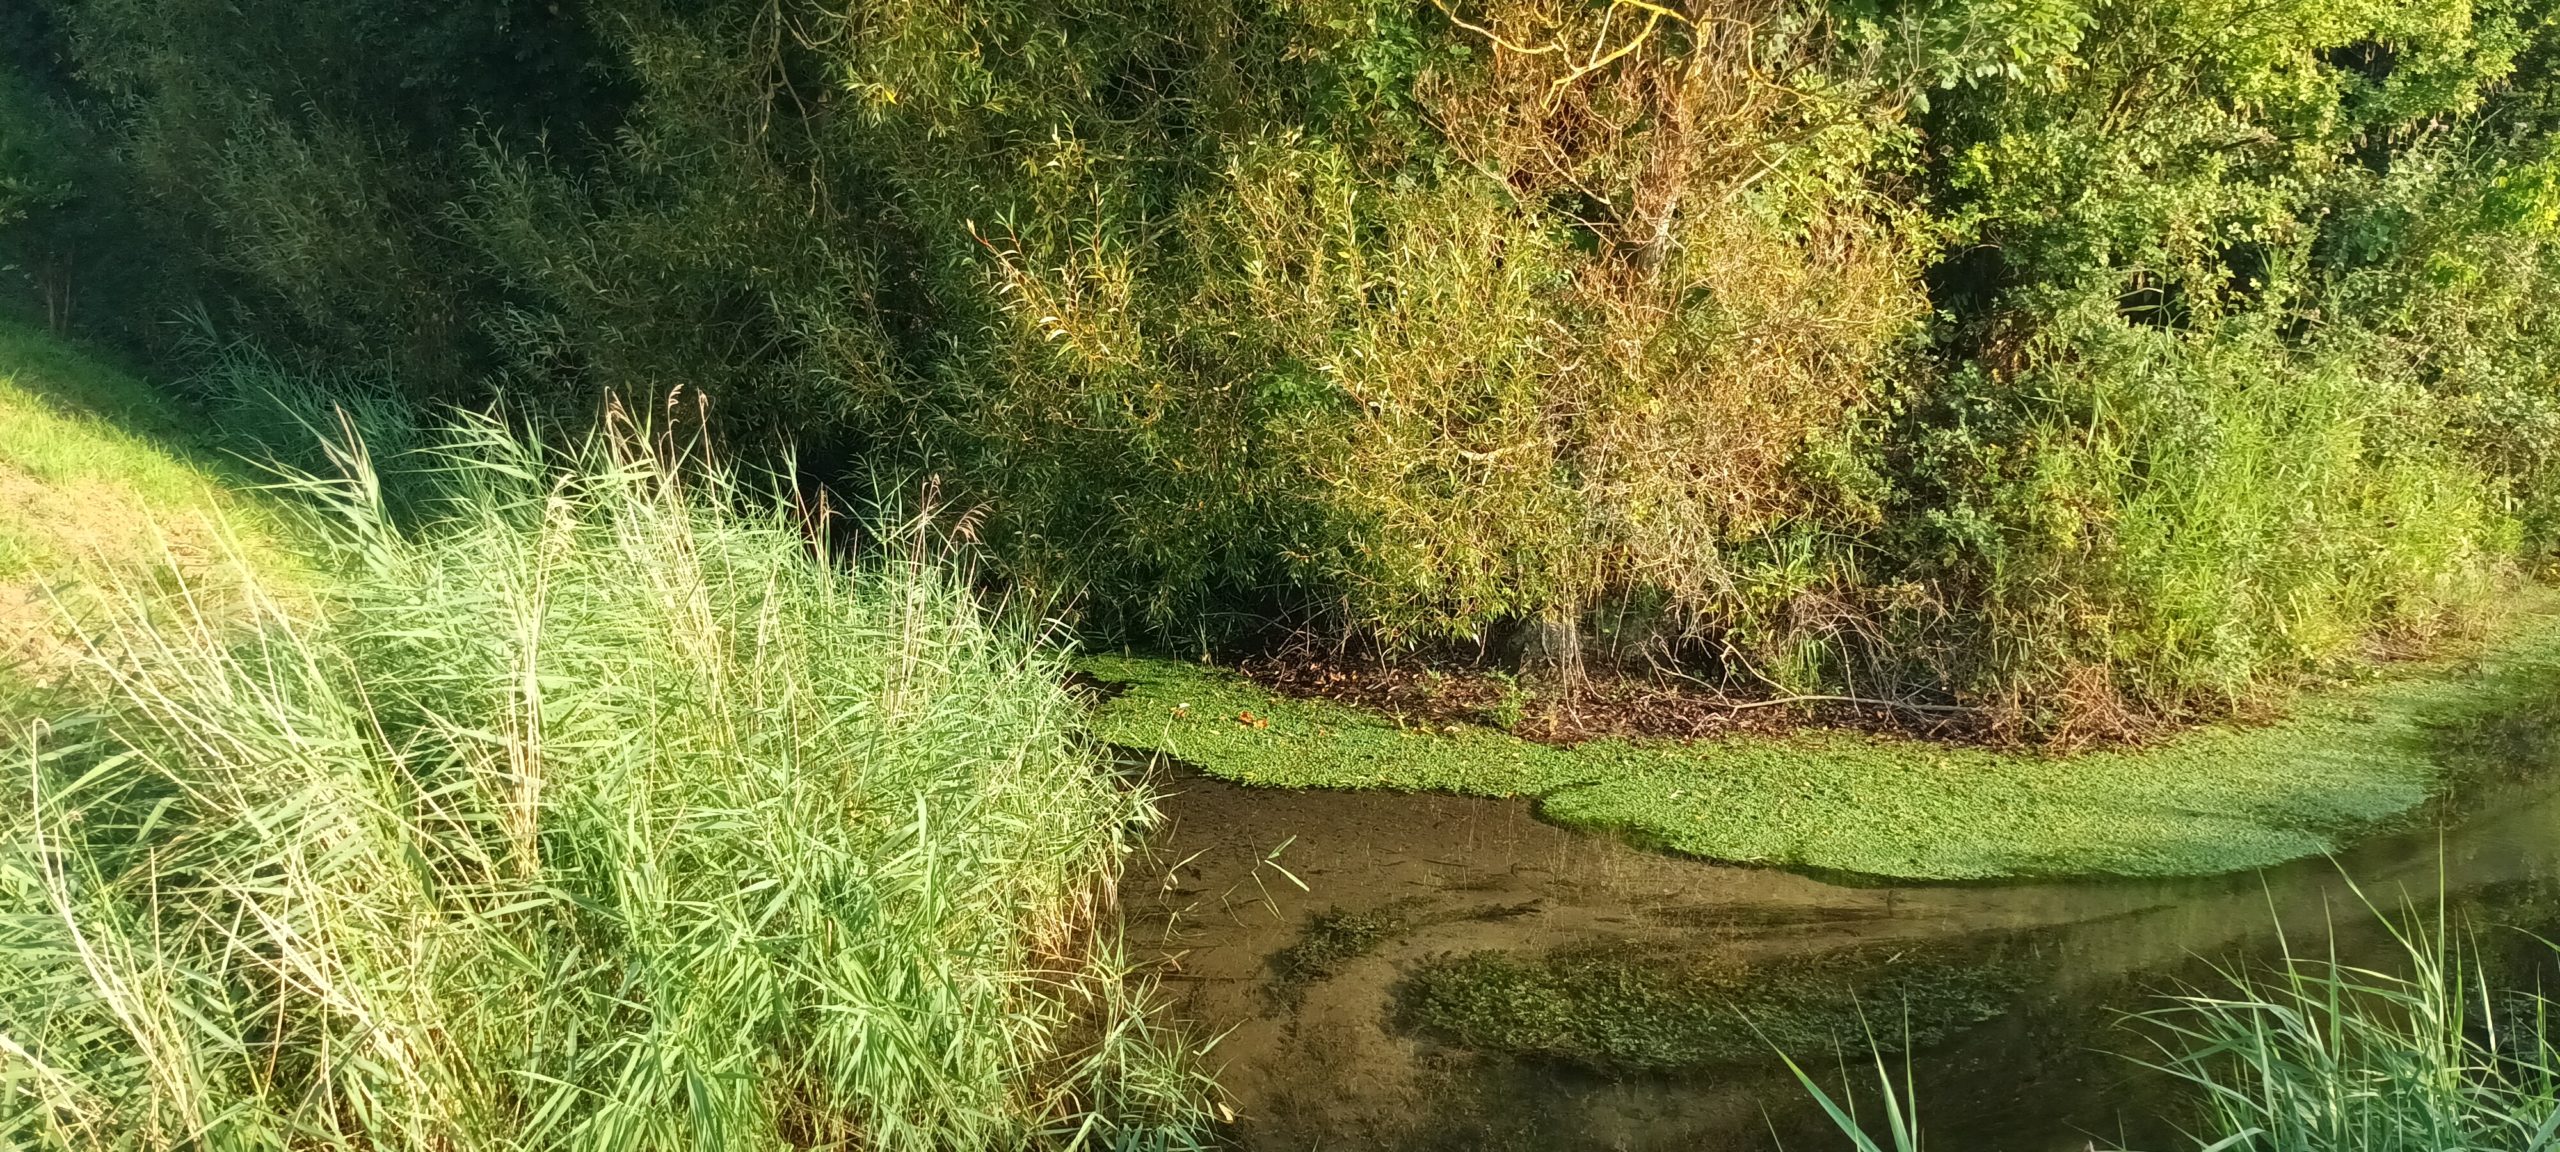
597	809
2433	1053
2318	1054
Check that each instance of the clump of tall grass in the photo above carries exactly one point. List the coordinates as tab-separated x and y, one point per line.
289	415
2323	1055
2314	1053
597	809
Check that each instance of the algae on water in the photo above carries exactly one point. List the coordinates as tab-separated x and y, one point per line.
2224	798
1620	1007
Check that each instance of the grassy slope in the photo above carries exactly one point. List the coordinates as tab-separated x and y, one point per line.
97	472
2215	800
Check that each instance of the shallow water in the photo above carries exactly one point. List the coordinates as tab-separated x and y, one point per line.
1236	874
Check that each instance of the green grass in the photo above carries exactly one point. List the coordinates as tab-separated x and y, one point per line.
2218	799
2430	1050
593	810
101	477
84	430
2426	1053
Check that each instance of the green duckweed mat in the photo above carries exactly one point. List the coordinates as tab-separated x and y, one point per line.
2346	762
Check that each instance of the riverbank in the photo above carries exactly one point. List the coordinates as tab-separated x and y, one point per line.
109	486
2344	763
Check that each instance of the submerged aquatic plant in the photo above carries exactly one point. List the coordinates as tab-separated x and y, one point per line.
1620	1007
599	809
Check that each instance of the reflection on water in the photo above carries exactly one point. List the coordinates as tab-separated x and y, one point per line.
1330	1065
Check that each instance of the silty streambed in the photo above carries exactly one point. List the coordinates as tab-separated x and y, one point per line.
1336	999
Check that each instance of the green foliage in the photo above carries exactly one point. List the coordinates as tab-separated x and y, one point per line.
32	157
1216	308
292	165
2088	360
598	811
2162	520
41	178
2170	136
2229	286
2214	800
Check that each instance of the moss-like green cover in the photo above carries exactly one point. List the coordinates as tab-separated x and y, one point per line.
2346	762
1622	1008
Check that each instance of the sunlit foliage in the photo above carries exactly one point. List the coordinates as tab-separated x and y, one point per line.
2090	360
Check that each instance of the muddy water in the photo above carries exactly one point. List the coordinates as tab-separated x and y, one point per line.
1237	875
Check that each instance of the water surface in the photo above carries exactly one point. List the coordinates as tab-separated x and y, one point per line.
1332	1064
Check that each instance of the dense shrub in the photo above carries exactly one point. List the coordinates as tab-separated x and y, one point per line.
2009	349
297	162
41	143
2240	347
2157	520
1217	308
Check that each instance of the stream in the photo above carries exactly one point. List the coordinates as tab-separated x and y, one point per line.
1235	877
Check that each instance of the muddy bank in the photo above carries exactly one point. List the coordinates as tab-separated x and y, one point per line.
1312	926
